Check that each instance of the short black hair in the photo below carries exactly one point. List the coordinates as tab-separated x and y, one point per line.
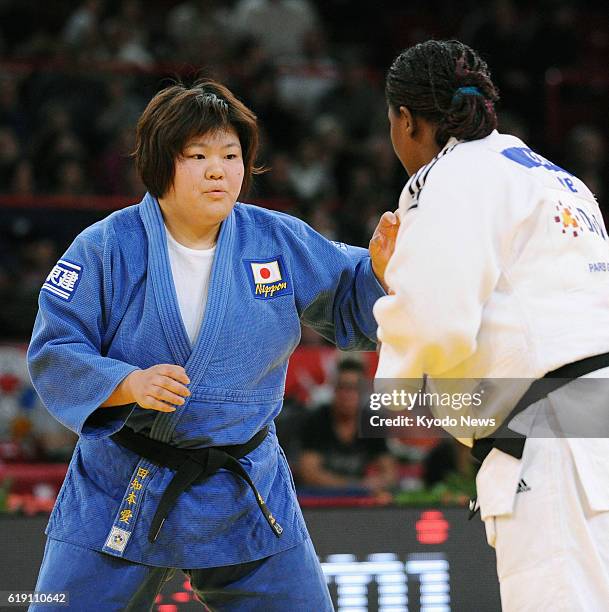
426	79
177	114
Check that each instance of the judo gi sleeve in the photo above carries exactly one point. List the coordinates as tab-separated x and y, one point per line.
335	289
446	263
66	355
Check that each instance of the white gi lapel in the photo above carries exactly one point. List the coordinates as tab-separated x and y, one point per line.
417	181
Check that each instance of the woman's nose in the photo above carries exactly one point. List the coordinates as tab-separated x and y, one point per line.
214	170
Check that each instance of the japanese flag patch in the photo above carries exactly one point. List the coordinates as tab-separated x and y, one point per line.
266	272
63	279
268	278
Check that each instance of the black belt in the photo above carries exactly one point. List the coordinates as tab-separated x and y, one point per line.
512	442
191	465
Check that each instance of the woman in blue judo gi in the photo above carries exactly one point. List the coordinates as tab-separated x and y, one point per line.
162	340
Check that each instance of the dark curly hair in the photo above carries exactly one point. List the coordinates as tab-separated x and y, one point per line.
427	78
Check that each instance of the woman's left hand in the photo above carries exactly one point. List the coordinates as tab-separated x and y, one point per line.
382	245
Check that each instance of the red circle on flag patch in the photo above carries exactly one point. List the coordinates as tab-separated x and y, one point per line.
265	272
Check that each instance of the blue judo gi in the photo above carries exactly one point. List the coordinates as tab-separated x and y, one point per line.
109	307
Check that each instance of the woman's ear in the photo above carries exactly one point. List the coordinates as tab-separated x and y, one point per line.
407	120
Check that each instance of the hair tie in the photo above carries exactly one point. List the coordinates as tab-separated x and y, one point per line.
208	97
465	91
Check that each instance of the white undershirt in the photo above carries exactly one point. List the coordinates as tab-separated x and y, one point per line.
191	270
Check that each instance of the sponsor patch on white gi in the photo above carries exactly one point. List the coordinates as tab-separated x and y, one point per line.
117	540
63	279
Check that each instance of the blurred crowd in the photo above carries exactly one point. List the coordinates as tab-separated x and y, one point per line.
74	77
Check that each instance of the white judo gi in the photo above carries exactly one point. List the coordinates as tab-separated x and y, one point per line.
501	270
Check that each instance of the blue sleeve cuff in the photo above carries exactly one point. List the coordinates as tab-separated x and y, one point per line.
104	422
375	282
369	290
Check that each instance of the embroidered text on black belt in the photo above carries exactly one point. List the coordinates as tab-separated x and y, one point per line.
191	465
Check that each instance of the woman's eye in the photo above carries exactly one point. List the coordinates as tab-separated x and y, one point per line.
198	156
231	156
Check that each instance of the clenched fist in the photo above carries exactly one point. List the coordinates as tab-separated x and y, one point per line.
382	244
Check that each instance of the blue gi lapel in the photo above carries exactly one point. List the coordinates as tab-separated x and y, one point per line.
159	270
217	300
193	360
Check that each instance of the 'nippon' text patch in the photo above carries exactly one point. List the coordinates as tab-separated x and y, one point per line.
268	278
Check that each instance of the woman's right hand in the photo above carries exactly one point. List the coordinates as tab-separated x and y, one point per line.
160	387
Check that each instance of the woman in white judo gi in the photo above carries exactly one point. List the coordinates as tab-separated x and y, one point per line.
162	339
501	270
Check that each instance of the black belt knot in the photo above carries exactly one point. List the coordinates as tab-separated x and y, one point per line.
192	465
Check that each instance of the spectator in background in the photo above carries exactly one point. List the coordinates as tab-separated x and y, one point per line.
554	41
26	267
309	78
353	101
200	31
446	458
121	108
9	157
126	45
22	182
310	173
281	26
358	198
83	22
38	256
91	48
131	14
386	177
54	142
322	218
12	114
281	126
503	33
71	177
277	186
333	455
115	166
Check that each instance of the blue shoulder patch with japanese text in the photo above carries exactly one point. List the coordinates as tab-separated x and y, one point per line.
63	279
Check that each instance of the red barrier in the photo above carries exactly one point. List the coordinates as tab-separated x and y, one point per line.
29	477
